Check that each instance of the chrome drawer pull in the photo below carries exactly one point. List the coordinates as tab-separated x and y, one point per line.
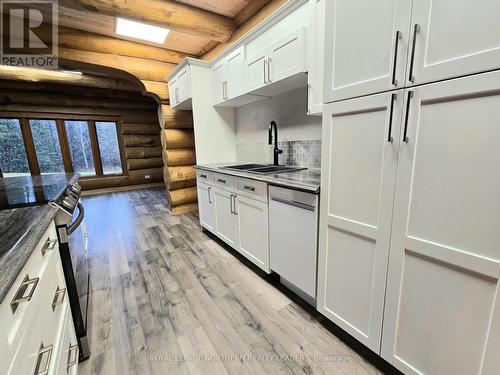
221	181
251	188
203	175
19	297
58	297
49	245
43	360
72	356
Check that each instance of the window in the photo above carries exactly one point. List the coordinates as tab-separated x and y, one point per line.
109	148
13	160
47	147
80	147
90	147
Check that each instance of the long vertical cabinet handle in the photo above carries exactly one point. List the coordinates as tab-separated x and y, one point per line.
265	71
208	191
395	62
269	61
231	203
234	205
390	139
416	30
405	132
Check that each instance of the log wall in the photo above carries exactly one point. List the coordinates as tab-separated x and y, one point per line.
137	115
177	140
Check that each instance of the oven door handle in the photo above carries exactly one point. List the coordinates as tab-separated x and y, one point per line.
75	224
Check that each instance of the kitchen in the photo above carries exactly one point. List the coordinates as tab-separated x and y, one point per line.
310	188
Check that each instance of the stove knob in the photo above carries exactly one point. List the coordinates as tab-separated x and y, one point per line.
75	188
68	202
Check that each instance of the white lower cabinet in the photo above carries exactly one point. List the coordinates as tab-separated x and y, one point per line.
236	211
252	223
442	312
206	206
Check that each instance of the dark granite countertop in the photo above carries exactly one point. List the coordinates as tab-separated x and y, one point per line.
21	228
307	179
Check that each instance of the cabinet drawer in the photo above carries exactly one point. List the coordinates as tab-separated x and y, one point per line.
20	304
223	180
39	345
206	177
252	188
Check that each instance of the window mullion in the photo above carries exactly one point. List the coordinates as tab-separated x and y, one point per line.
95	148
29	146
63	141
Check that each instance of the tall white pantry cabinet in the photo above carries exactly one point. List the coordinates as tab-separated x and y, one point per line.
409	258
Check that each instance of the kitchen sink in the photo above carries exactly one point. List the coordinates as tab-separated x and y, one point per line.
245	167
276	169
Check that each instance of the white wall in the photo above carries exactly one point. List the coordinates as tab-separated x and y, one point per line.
289	110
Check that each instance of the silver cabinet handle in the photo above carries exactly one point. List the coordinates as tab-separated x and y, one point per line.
416	30
49	245
208	191
405	131
58	297
176	94
203	175
234	205
20	296
72	356
269	61
250	188
265	71
301	205
390	139
43	360
231	203
222	181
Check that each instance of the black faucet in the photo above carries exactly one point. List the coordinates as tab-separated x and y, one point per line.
276	150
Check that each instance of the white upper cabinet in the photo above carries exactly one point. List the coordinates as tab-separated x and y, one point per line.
316	52
443	293
228	77
179	88
454	38
359	161
366	47
219	75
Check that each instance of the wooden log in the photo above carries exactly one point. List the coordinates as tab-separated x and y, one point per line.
179	157
141	140
158	88
177	138
143	152
179	177
184	209
140	129
167	13
135	164
175	119
182	196
103	182
145	176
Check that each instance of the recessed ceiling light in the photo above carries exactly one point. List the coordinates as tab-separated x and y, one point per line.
141	30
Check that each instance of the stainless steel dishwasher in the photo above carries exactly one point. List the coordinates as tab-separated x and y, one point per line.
293	233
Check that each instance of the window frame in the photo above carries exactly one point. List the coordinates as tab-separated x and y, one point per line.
29	144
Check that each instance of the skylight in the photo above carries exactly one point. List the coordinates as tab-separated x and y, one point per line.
141	30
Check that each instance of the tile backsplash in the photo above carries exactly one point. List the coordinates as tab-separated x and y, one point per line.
297	153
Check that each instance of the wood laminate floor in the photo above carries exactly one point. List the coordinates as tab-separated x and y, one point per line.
168	299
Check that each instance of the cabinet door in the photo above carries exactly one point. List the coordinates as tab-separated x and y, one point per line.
225	219
206	207
366	46
252	217
173	91
457	37
287	56
218	78
256	71
443	305
236	73
359	170
316	52
183	82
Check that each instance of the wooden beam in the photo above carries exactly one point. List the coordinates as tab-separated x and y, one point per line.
158	88
64	78
249	25
166	13
143	69
249	11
